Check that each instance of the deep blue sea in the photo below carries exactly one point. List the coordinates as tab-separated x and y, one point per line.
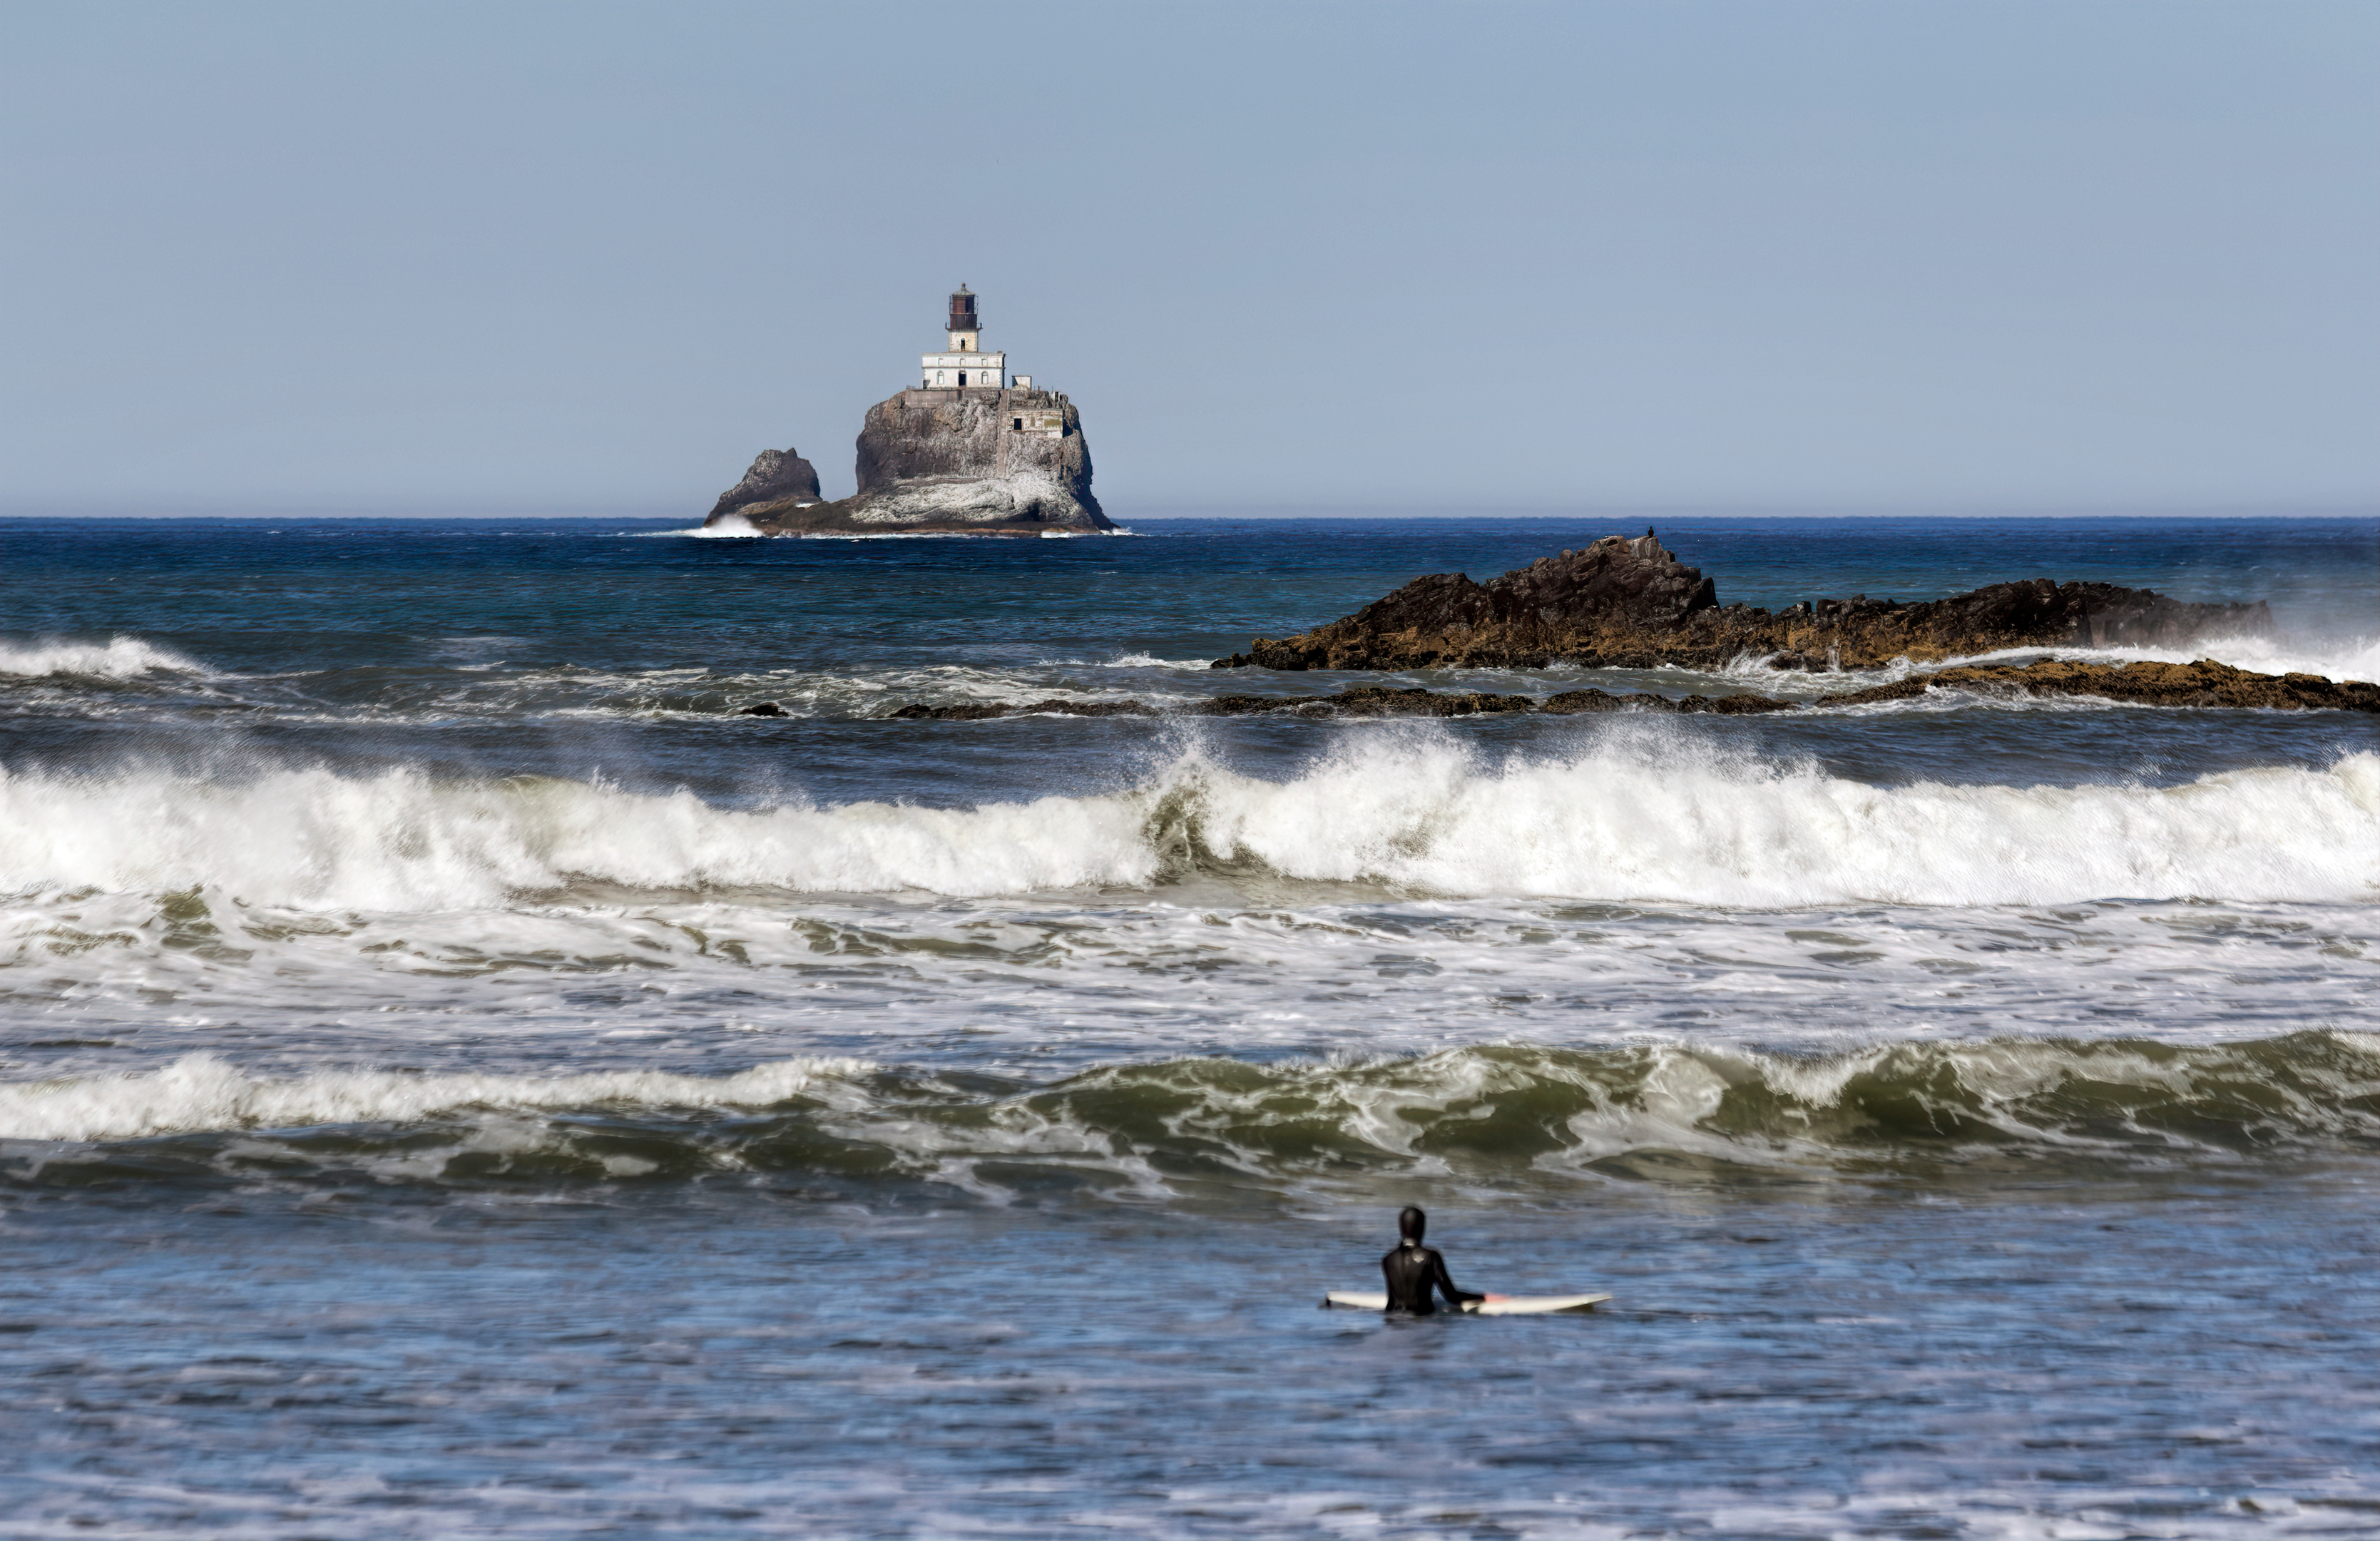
458	1077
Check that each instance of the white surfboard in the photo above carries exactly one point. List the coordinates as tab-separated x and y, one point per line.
1494	1305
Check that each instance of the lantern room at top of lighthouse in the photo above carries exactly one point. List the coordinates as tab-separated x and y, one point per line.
965	331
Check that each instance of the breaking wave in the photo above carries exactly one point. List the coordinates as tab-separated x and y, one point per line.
406	841
1633	816
1496	1113
117	658
200	1092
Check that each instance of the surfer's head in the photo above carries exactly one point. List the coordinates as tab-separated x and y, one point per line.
1411	1223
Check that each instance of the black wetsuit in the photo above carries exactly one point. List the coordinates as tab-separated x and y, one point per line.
1414	1273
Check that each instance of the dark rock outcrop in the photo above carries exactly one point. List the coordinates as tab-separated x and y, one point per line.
778	476
982	462
981	711
2202	684
1631	603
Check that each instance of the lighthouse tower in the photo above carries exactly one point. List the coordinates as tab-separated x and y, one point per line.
965	366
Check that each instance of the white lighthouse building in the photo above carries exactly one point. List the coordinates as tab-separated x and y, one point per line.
965	366
965	376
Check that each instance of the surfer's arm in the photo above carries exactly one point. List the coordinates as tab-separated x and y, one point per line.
1446	1284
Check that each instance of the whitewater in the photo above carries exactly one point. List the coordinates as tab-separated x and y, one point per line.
1403	809
460	1074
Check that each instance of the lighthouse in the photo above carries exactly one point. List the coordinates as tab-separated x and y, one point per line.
969	449
963	365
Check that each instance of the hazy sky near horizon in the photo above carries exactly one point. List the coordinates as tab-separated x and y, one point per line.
596	256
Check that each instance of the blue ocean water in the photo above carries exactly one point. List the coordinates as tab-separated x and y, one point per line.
458	1076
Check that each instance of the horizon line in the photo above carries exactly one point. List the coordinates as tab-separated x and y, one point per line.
616	512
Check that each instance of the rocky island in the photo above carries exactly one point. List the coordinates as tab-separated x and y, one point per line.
1631	603
967	451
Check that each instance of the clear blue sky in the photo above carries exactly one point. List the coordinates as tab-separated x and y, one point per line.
1787	252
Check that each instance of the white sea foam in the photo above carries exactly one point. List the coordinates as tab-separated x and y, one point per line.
1631	816
117	658
1150	661
200	1092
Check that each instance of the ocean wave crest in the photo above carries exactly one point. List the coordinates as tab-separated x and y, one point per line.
407	841
120	657
1631	816
1629	821
1511	1112
200	1092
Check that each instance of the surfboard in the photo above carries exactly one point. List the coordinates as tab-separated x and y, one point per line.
1494	1305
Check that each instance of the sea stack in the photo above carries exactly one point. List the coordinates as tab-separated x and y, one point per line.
778	476
967	450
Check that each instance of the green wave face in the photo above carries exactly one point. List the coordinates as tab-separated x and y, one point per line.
1505	1115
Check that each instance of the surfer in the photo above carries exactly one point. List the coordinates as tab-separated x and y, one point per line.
1416	1272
